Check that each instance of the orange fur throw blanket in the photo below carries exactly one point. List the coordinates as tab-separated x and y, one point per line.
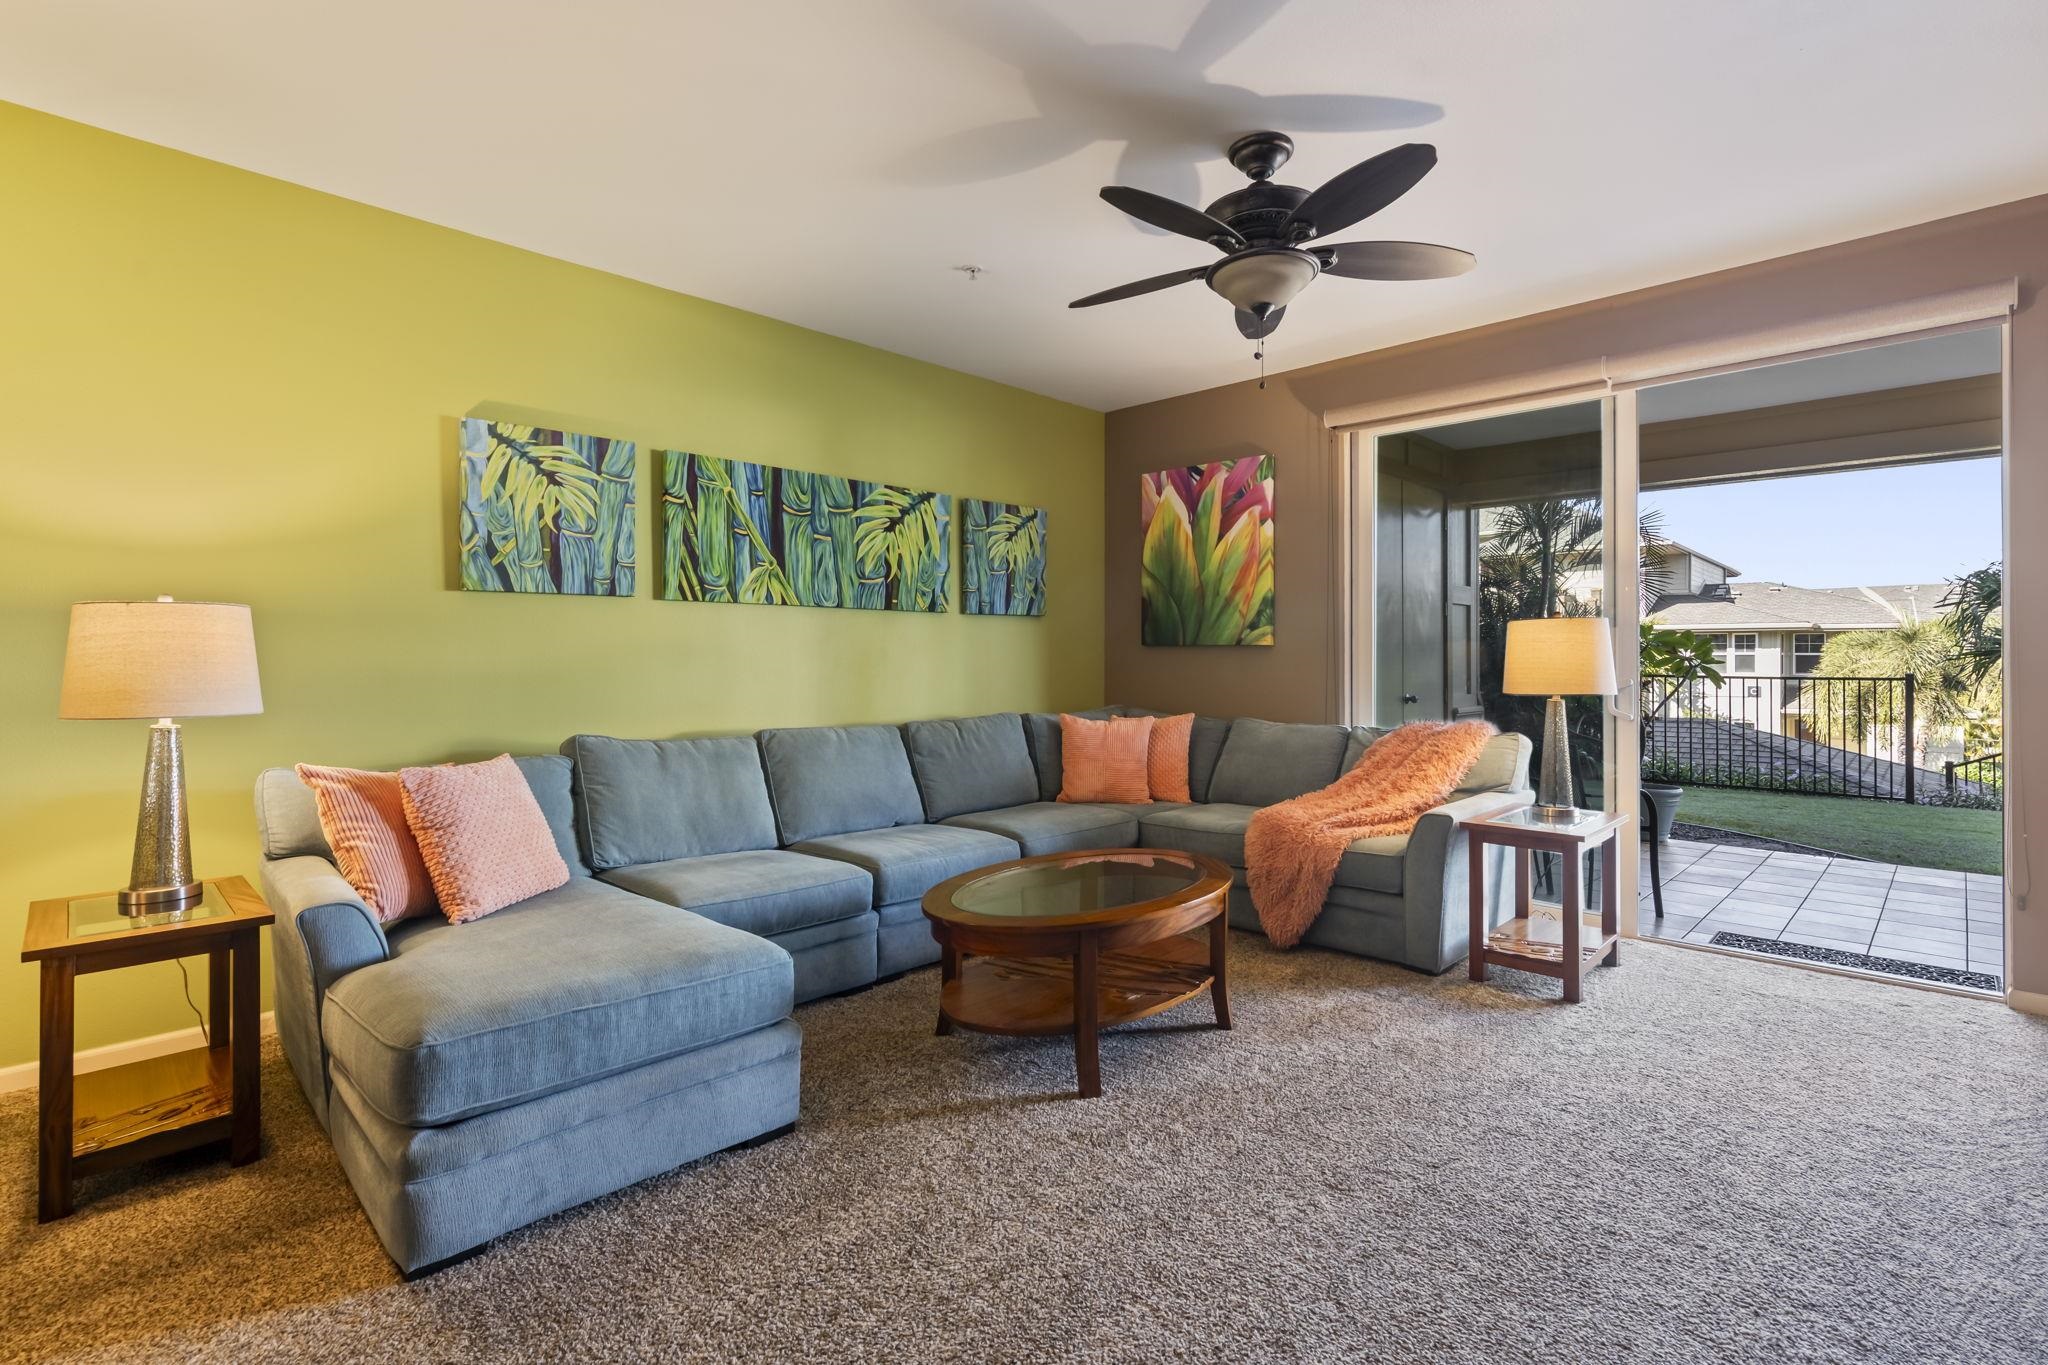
1291	850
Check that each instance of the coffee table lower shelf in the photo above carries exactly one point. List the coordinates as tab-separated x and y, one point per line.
1029	996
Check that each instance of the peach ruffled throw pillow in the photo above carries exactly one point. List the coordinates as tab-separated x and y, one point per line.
363	816
483	838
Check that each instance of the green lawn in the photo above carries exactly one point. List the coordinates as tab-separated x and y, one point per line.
1885	831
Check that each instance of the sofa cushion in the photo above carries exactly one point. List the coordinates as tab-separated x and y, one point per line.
577	983
1214	830
1264	763
763	891
1042	730
1205	746
288	818
835	779
978	763
1373	864
1058	826
1503	766
1363	737
909	860
650	800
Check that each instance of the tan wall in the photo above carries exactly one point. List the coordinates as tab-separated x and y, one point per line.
1292	681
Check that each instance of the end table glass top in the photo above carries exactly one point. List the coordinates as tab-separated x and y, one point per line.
91	916
1082	885
1530	817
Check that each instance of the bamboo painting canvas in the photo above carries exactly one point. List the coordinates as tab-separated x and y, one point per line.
1207	556
546	511
1002	559
739	532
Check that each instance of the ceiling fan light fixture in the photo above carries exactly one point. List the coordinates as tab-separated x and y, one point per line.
1262	280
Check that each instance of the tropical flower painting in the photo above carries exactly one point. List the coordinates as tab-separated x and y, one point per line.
739	532
1002	559
1208	554
546	511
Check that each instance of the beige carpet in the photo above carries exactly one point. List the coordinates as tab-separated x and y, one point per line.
1710	1159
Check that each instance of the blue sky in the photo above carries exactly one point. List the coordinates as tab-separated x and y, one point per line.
1919	524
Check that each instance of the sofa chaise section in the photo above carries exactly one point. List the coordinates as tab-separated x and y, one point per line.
688	822
476	1077
848	793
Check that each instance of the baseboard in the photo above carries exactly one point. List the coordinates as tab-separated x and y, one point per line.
22	1075
2028	1002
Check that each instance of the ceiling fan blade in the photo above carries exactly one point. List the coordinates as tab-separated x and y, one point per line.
1362	191
1254	326
1162	212
1392	260
1137	287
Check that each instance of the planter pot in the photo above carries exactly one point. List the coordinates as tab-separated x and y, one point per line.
1664	800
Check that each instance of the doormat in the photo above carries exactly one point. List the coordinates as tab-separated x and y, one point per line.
1839	957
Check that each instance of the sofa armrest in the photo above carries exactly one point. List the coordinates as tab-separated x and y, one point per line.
322	933
315	903
1436	879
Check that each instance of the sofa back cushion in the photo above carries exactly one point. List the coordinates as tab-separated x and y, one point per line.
1363	737
1205	746
1503	766
1042	729
1264	762
649	800
975	764
835	779
288	819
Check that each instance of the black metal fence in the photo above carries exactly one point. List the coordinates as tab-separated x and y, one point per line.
1822	736
1986	770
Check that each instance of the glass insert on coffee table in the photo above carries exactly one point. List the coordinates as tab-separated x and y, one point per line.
1077	942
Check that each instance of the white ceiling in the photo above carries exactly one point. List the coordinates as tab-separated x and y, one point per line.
829	161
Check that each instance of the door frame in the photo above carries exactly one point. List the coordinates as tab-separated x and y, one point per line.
1357	450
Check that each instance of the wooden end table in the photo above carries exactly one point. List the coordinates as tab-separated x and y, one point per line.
1076	942
102	1120
1563	946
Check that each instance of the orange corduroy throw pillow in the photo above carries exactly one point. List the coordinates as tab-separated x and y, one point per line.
363	816
482	836
1106	760
1166	760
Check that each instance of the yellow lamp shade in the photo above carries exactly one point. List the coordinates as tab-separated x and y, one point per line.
143	660
1559	656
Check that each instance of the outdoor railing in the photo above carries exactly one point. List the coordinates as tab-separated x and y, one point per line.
1986	770
1770	732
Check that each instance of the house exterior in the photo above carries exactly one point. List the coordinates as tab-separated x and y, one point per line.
1773	634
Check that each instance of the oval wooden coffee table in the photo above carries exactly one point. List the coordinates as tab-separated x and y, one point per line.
1077	942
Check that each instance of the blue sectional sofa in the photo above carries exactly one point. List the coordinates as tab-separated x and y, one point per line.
476	1077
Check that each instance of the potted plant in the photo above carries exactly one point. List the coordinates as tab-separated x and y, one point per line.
1678	659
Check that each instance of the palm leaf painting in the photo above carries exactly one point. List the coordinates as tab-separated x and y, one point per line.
1207	554
1002	559
738	532
546	511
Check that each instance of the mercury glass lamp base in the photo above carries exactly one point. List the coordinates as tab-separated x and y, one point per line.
160	878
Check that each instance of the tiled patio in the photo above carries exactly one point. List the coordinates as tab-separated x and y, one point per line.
1909	914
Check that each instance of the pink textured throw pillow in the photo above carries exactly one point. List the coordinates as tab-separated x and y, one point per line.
482	836
363	816
1105	760
1166	761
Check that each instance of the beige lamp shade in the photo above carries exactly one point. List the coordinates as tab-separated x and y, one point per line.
1560	656
145	660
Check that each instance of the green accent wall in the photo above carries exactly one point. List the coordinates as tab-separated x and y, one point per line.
222	386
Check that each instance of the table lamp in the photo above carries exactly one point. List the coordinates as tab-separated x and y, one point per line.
162	659
1558	657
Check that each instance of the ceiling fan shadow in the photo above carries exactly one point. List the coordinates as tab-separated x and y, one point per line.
1157	101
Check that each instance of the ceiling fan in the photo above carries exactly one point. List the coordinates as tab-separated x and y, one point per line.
1273	233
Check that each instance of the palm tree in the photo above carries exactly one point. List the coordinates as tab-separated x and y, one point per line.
1925	651
1975	606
